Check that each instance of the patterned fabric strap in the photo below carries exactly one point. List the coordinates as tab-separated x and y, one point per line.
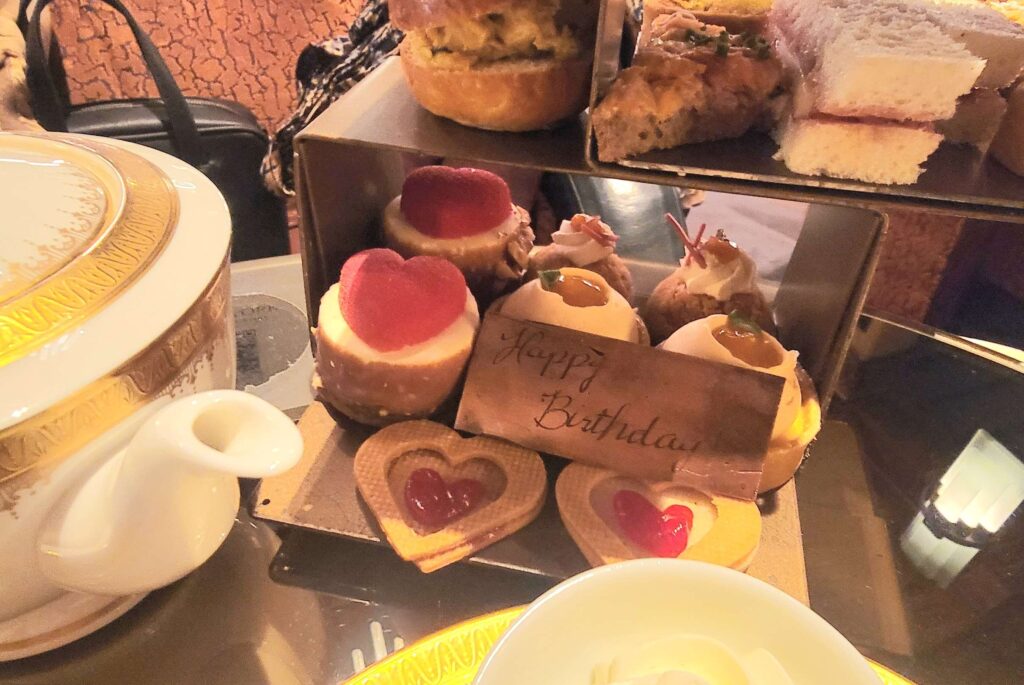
324	72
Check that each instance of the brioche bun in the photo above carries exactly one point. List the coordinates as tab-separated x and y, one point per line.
413	15
510	95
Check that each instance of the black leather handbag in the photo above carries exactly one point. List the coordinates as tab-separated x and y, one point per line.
220	138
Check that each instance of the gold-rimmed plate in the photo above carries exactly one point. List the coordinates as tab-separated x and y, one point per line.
453	656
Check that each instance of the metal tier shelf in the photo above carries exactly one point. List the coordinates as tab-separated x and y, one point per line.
381	112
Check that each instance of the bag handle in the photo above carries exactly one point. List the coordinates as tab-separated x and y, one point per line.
49	107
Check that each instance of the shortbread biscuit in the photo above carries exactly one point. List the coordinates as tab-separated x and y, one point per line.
513	479
725	531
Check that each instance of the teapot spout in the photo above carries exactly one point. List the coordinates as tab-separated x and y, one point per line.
161	507
226	431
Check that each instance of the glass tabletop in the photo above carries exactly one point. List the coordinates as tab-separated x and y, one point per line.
910	509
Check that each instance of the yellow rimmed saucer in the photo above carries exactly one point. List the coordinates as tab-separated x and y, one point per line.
452	656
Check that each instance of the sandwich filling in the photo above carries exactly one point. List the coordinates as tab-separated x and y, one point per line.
526	30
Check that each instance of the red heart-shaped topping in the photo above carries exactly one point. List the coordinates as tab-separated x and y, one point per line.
662	533
435	503
443	202
391	303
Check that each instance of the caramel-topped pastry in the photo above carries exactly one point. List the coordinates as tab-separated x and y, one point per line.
587	242
575	290
578	299
737	340
715	277
746	341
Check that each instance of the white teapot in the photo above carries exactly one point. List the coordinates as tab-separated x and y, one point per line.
118	473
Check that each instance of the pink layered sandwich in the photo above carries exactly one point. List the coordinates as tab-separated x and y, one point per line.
872	81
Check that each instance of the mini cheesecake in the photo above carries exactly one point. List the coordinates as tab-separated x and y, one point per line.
467	217
715	277
586	242
738	341
578	299
393	337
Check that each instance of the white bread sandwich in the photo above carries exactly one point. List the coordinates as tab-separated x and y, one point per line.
504	65
976	122
986	33
872	151
1008	146
874	58
875	84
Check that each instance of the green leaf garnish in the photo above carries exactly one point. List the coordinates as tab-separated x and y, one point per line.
738	321
549	279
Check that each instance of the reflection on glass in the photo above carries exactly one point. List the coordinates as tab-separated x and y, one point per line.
974	498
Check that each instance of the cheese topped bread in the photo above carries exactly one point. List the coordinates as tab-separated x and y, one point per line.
735	15
693	82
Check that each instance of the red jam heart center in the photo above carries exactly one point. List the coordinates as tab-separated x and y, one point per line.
443	202
662	533
391	303
434	503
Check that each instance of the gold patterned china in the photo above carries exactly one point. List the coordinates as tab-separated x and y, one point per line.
114	299
454	655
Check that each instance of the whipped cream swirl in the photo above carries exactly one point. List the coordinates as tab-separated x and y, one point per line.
584	239
719	279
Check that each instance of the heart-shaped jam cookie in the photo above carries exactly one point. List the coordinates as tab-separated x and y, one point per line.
614	518
391	303
439	497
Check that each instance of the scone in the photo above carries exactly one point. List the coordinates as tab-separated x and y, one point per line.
393	336
693	83
466	216
578	299
589	243
738	341
715	277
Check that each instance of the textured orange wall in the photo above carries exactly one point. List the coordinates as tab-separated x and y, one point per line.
242	50
915	251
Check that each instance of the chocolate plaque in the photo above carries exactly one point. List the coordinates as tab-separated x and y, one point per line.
634	409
